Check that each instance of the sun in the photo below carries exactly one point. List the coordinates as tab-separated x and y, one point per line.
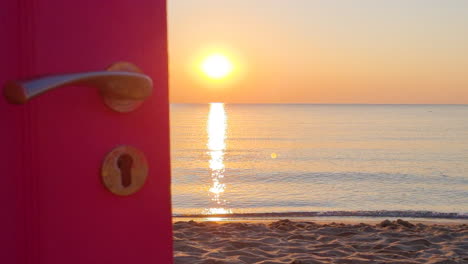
216	66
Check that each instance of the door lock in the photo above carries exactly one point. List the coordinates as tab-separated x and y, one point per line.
124	170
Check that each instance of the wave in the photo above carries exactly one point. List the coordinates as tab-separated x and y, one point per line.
382	213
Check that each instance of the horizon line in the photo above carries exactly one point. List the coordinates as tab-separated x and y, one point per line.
203	103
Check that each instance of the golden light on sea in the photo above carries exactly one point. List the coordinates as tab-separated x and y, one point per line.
216	128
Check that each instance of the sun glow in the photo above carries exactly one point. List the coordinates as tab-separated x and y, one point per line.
216	66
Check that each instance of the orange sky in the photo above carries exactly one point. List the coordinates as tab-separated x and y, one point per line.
323	51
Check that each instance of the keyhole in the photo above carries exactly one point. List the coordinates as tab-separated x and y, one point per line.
124	163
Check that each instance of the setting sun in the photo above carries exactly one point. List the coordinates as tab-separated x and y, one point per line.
216	66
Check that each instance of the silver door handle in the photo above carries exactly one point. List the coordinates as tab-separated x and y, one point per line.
122	86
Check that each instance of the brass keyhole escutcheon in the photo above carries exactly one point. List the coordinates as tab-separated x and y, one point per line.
124	170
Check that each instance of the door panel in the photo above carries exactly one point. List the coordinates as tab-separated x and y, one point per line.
55	144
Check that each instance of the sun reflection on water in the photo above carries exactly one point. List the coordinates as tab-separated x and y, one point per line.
216	128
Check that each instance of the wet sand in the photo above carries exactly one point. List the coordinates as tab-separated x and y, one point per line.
304	242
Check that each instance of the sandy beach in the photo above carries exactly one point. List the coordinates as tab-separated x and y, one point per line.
291	242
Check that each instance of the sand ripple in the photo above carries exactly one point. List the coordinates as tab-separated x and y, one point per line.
290	242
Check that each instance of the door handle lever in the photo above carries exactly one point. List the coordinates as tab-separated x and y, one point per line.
123	86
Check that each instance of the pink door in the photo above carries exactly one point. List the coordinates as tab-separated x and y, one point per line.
54	205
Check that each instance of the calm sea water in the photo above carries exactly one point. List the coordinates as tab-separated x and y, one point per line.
229	158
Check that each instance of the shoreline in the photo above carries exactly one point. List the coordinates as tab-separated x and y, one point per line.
340	213
320	219
371	217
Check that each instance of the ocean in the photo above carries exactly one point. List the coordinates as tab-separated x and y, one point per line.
409	160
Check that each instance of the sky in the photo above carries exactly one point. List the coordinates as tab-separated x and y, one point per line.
321	51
